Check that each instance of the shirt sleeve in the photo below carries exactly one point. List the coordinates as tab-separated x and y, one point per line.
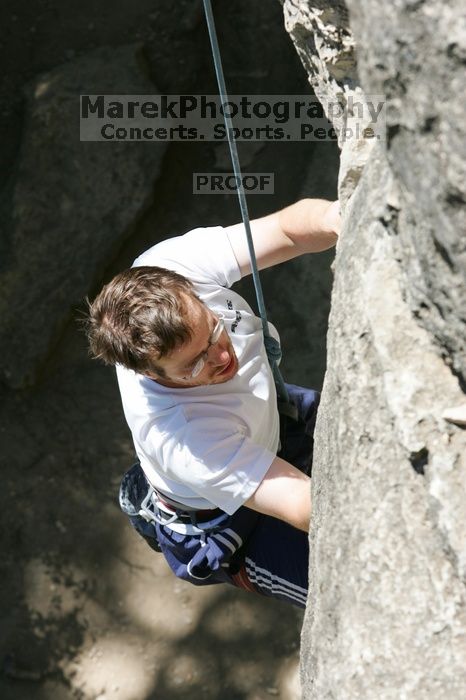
215	459
203	255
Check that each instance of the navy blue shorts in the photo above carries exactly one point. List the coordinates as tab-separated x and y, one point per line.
247	549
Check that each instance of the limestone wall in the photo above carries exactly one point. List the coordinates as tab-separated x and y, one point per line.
386	614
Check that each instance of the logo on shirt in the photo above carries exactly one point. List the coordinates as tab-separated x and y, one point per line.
234	325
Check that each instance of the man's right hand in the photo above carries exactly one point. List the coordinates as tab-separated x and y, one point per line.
331	220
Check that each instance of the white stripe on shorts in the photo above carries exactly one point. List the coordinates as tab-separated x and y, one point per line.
275	584
217	536
234	535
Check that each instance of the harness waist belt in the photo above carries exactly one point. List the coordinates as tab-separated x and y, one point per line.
183	513
188	521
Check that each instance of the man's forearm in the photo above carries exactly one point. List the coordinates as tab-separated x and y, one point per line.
284	493
311	224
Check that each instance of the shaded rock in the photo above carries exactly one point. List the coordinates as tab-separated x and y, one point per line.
68	206
175	45
178	50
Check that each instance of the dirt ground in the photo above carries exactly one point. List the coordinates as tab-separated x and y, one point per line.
88	610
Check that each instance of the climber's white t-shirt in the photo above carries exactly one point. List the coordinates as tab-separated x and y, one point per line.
209	445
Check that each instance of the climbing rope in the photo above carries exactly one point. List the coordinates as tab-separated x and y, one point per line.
272	346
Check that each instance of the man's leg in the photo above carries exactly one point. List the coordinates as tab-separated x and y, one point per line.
296	436
273	560
277	554
277	560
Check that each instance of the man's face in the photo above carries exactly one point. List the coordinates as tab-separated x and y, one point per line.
220	361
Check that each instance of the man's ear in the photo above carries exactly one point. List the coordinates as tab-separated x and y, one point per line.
155	373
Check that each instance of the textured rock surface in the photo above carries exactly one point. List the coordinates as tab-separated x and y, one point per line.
415	54
322	37
68	206
386	614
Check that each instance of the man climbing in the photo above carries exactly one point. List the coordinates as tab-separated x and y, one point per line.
213	489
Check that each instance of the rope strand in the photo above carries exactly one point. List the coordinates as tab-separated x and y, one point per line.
271	345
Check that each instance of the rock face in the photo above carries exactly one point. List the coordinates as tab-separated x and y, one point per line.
386	614
68	206
322	36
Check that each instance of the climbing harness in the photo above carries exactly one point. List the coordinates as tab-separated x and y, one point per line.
182	519
272	346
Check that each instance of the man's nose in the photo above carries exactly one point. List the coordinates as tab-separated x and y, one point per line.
218	354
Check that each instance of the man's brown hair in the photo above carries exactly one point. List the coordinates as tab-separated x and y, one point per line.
139	317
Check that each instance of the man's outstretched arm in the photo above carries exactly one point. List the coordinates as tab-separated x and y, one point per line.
308	226
284	493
